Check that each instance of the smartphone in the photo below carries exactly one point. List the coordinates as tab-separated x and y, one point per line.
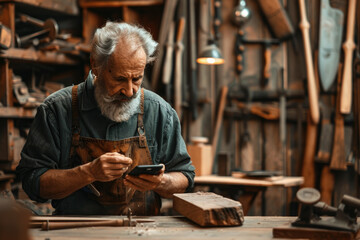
146	169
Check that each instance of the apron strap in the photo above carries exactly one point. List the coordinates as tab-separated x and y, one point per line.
75	125
141	128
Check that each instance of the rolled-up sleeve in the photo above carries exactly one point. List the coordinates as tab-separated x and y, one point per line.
40	153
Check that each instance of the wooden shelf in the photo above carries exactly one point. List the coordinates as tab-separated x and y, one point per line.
120	3
64	6
31	54
17	112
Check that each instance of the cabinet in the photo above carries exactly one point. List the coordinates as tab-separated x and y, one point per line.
36	67
95	13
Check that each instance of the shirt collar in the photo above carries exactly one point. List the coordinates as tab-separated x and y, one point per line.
88	99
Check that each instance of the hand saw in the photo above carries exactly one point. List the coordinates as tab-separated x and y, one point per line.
331	28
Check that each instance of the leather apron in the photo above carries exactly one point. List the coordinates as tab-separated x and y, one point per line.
114	195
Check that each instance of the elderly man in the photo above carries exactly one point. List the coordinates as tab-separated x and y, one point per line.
86	138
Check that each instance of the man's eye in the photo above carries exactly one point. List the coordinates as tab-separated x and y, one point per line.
121	79
136	79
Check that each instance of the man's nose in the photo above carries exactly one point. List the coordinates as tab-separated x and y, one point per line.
128	90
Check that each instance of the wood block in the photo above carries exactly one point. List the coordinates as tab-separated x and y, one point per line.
201	157
5	37
289	231
209	209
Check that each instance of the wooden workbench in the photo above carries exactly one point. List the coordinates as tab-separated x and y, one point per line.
250	187
171	227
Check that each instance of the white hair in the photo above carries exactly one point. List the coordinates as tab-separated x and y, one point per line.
106	38
114	109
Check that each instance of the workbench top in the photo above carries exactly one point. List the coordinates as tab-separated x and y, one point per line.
229	180
171	227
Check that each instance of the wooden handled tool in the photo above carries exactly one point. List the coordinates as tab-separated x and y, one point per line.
49	26
167	17
327	176
192	59
169	54
64	224
348	46
267	63
219	119
264	111
313	95
308	171
178	67
338	156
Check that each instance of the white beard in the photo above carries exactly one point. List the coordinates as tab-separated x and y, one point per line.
114	109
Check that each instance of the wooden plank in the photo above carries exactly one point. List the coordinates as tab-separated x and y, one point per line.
17	112
311	233
209	209
38	56
65	6
225	180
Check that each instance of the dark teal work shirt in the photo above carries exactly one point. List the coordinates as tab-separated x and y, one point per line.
49	141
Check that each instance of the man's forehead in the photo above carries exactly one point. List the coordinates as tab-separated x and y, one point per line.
128	55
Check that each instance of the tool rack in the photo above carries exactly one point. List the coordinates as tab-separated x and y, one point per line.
15	59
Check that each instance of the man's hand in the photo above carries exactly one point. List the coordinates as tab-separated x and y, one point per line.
145	182
109	166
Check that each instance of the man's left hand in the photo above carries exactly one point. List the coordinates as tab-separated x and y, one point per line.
144	182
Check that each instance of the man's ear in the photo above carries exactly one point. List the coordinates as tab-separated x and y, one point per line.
93	66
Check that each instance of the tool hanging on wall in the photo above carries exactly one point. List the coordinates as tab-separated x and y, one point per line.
277	18
282	122
267	44
219	121
247	155
168	16
193	84
49	30
327	141
312	92
268	112
338	156
348	46
331	27
168	62
179	48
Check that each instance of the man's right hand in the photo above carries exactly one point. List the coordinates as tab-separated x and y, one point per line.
109	166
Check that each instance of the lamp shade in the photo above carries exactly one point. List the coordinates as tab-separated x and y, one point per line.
210	55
